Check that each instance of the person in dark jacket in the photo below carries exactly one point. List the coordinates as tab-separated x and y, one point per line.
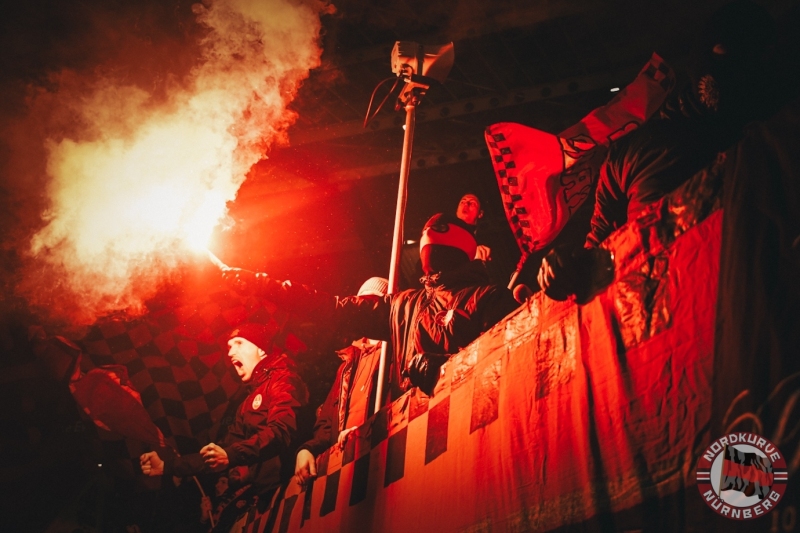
348	403
257	446
651	162
729	77
424	326
730	85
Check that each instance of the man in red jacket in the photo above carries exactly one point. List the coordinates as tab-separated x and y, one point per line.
348	403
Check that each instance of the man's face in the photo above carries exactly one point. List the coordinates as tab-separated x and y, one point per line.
221	486
244	356
469	209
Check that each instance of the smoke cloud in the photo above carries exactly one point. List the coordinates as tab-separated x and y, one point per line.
125	172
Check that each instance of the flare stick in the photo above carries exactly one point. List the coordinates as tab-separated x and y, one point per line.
216	260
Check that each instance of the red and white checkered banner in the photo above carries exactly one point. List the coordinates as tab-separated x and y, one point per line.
544	178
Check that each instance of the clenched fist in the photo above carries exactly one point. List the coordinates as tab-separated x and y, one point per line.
152	465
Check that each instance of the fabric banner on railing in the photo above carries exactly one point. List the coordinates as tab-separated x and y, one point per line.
589	416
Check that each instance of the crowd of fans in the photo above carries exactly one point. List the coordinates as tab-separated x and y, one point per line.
731	86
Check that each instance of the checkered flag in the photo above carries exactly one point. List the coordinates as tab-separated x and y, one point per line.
172	362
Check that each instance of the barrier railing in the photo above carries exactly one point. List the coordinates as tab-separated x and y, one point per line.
560	415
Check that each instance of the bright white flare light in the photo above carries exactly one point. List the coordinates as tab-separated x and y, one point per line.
201	224
137	183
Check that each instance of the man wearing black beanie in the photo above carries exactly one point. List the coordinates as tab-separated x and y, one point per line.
257	447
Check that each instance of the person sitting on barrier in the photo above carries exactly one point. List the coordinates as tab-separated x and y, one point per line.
706	119
349	401
256	450
693	128
425	326
470	211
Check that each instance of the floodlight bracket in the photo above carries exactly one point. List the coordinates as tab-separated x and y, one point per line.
419	67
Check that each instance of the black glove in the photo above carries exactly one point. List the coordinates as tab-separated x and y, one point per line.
423	370
581	272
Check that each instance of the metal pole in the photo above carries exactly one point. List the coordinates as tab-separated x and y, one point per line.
397	239
515	275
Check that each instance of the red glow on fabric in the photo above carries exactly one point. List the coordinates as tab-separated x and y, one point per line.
106	395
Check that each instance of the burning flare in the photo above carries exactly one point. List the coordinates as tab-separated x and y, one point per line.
141	182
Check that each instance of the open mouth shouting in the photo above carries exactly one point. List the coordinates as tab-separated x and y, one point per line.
244	356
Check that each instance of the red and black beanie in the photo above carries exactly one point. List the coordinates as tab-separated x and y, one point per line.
446	243
259	334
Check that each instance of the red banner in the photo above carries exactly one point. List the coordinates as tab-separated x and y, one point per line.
544	178
562	415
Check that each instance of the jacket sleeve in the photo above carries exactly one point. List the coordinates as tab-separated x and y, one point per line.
275	423
611	202
495	306
293	297
181	465
189	465
326	426
459	327
355	316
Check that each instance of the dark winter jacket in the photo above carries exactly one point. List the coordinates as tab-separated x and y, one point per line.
363	359
451	311
652	161
260	437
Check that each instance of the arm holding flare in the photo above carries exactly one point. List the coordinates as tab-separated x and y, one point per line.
354	316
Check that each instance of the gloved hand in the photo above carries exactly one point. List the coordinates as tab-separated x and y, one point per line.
557	276
578	272
423	370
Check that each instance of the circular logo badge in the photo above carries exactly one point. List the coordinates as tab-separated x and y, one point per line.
257	401
742	476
